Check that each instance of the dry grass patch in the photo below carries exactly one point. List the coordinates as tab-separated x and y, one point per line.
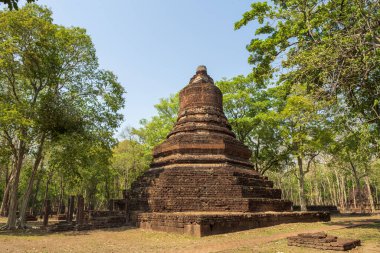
270	239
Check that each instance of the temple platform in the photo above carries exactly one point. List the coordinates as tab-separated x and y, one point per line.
200	224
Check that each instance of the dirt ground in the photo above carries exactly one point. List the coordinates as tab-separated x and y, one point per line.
126	239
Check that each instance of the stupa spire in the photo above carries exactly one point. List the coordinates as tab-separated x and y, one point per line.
201	76
202	134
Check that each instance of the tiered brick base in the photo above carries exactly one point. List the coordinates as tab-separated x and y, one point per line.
223	188
322	241
211	223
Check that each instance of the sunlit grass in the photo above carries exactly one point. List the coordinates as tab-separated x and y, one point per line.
270	239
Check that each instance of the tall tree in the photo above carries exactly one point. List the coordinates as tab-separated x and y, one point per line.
304	129
50	85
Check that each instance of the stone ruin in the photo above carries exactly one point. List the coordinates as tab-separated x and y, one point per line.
201	181
85	219
322	241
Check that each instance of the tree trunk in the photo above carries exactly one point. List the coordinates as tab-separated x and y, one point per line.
335	193
339	190
6	174
5	202
107	190
291	193
36	194
50	175
370	198
70	208
47	210
27	194
359	200
80	210
323	193
344	188
311	194
354	194
301	180
13	199
331	190
61	209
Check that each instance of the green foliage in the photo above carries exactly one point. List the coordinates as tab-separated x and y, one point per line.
132	156
304	127
249	109
129	160
155	130
331	46
13	4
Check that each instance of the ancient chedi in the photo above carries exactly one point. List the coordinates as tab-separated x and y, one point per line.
201	181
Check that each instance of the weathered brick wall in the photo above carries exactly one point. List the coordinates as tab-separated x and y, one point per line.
201	224
198	189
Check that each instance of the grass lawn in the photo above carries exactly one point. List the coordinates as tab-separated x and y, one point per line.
270	239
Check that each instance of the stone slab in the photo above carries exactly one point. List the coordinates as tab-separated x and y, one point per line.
322	241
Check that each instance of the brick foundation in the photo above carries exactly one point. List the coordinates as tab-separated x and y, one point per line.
211	223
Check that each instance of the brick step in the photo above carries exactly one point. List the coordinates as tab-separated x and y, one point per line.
265	204
201	180
188	191
196	190
254	182
210	204
179	181
246	175
260	192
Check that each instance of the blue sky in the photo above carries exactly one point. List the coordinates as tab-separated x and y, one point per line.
155	46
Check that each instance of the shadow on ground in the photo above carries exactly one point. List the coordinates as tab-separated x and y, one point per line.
369	223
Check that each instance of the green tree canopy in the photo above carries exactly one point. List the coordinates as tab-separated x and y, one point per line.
331	46
251	111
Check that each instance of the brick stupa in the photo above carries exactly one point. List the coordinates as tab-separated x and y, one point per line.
201	181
